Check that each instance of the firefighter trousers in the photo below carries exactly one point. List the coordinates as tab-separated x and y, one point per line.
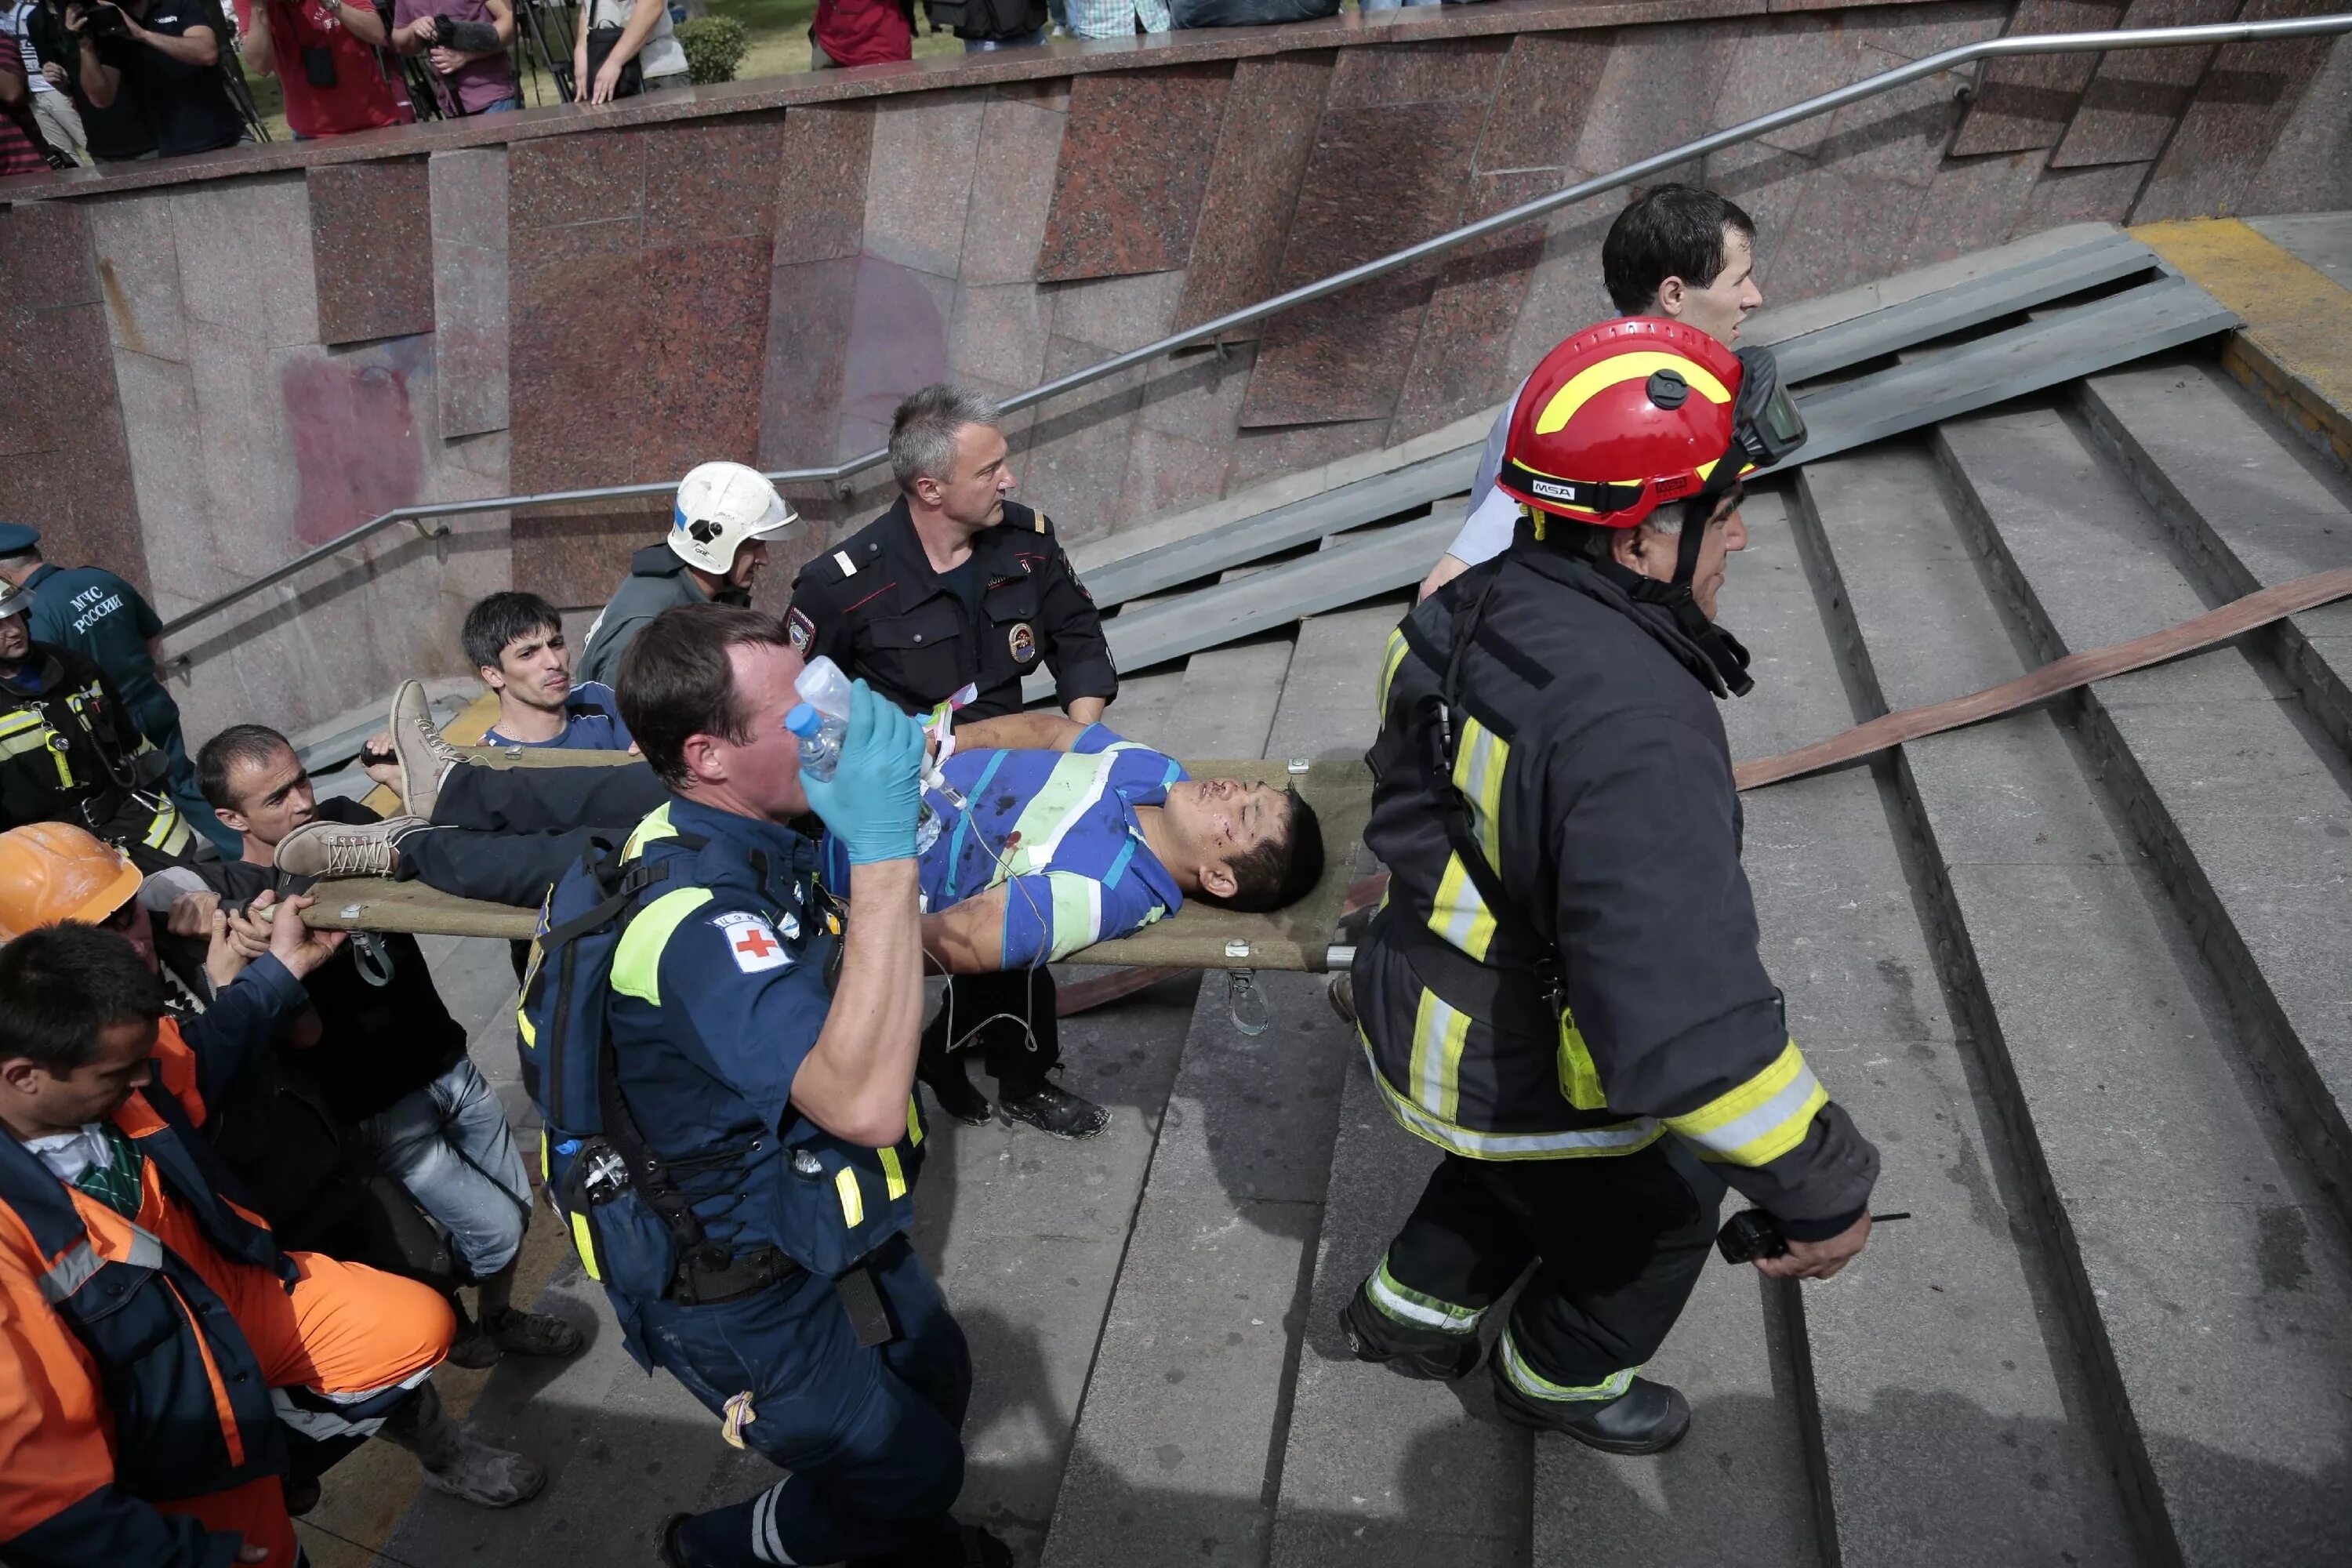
1615	1244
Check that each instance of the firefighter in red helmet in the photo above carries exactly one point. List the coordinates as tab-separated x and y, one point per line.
1562	990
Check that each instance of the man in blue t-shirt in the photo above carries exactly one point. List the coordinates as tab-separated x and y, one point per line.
1068	835
515	641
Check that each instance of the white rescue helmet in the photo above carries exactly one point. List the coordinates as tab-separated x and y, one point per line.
13	600
720	505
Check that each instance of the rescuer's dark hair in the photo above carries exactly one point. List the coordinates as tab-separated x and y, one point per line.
66	984
1667	231
676	680
1280	871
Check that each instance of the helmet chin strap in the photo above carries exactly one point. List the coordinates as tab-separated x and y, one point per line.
1722	649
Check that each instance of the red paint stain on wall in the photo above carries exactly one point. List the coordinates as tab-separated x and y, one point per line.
356	450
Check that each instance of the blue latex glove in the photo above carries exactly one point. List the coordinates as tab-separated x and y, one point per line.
874	796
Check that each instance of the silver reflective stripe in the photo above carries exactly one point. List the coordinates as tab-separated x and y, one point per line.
1735	1135
1536	1385
1393	1300
146	1250
766	1545
71	1272
1622	1138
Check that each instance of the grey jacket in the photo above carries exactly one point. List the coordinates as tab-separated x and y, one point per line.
657	580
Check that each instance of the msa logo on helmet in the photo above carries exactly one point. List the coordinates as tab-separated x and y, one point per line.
1551	490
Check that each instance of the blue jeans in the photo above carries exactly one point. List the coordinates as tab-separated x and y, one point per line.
869	1433
449	1143
981	46
507	105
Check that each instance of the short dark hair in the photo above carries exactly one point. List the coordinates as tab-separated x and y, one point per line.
1667	231
499	619
676	680
1278	872
65	984
247	745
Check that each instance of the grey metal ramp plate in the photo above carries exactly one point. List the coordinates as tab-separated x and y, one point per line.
2106	332
2254	507
1971	303
1385	560
2257	827
1947	1392
1283	527
2213	1281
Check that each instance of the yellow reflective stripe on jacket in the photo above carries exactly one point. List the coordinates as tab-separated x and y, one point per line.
1390	659
853	1201
914	1124
168	832
1578	1079
1762	1120
894	1175
1459	914
1439	1033
1576	1144
636	963
1536	1385
583	1241
1479	762
655	825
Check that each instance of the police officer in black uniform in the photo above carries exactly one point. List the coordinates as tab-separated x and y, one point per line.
956	586
1562	990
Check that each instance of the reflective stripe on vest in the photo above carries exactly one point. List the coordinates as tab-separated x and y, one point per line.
72	1271
636	963
1536	1385
853	1201
1619	1138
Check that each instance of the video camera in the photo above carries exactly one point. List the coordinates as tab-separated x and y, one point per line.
101	19
466	37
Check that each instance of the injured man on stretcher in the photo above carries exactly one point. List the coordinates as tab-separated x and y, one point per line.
1058	836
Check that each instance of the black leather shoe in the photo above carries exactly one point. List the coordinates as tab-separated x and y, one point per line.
1050	1108
666	1541
952	1092
1647	1418
1440	1360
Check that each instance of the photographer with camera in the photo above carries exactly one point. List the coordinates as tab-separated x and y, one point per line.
164	58
625	47
465	43
323	54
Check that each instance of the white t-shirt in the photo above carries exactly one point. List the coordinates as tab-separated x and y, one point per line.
15	23
1486	532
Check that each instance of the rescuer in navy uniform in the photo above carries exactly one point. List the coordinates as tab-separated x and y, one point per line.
728	1094
953	586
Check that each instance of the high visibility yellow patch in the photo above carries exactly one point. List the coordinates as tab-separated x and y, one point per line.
1439	1033
1579	1080
1586	384
853	1201
893	1178
585	1242
914	1124
1762	1118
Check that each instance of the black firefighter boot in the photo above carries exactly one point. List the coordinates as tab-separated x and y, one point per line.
1374	1336
1647	1418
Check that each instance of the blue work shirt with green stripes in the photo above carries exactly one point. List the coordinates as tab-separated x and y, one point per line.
719	991
1059	831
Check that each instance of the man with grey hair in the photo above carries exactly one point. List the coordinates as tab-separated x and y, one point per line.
951	598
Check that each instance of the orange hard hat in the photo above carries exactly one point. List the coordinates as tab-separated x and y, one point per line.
1620	417
51	872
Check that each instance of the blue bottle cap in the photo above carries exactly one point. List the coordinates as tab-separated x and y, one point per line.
803	721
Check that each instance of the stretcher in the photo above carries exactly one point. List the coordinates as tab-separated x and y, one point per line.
1195	937
1302	937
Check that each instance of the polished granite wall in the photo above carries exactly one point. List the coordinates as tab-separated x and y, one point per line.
214	364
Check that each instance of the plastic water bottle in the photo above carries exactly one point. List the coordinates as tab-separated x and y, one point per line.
821	718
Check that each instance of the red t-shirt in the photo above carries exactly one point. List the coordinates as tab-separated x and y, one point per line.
365	94
863	32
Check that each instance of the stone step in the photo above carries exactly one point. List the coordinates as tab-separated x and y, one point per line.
1180	1440
2251	505
2221	770
2202	1272
1945	1399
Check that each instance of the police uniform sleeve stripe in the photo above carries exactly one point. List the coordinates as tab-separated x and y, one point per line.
1762	1118
636	963
848	567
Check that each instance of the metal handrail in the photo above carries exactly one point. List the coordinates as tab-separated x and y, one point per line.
1453	239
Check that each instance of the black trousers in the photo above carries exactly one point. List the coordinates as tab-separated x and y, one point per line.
507	834
1616	1242
1021	1040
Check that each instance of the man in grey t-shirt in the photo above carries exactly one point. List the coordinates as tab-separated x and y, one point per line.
1675	251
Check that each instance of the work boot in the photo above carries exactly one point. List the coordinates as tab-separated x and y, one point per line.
952	1092
1647	1418
1441	1358
971	1547
462	1466
1050	1108
1341	994
323	848
424	754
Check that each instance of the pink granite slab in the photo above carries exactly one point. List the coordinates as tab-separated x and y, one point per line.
2246	100
2023	104
1268	133
372	249
2136	96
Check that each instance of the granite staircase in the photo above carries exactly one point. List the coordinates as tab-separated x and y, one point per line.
2082	972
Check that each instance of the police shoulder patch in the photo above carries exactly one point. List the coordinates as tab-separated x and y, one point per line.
801	629
751	941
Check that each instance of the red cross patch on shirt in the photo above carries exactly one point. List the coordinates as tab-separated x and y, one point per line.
752	941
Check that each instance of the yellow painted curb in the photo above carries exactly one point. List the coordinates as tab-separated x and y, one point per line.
2294	351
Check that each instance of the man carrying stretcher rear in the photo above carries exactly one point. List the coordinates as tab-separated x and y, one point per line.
1059	835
